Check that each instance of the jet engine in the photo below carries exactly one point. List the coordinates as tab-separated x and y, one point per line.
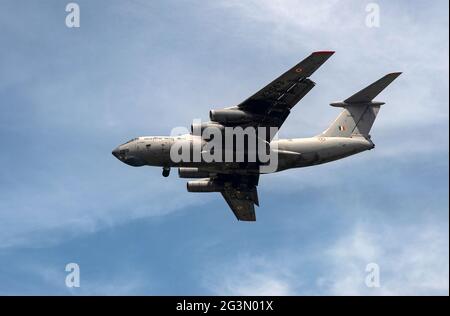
230	116
192	173
199	128
204	185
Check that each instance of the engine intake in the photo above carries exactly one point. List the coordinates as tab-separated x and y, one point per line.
192	173
204	185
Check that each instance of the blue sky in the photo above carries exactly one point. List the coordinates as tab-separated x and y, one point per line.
68	96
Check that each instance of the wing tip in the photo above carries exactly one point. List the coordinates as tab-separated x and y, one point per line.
392	76
324	52
395	74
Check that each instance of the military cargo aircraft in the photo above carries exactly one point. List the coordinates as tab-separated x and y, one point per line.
264	112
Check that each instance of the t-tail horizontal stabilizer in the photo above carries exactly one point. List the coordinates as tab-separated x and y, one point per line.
359	111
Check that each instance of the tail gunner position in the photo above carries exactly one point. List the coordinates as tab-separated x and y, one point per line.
268	108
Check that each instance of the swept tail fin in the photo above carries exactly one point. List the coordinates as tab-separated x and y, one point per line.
359	111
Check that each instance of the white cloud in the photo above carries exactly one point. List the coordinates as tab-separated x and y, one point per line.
406	41
412	260
52	279
56	211
248	276
284	13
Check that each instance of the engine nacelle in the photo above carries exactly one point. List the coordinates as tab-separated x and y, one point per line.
230	116
192	173
204	185
199	128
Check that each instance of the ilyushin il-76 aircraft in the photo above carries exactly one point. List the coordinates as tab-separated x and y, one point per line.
230	152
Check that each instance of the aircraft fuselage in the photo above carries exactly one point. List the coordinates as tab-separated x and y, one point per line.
291	153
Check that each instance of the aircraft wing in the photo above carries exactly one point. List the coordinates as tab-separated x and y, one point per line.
272	104
241	203
241	195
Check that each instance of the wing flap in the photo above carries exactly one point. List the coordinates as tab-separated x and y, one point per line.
242	202
244	210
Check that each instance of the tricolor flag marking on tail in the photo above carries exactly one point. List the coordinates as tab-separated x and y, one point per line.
341	127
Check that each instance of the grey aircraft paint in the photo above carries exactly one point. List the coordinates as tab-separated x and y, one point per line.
269	107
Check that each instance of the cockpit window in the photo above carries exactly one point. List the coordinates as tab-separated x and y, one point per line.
132	140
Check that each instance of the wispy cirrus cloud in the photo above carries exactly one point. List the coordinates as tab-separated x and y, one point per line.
413	260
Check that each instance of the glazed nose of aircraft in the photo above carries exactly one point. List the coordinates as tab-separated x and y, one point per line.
115	153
